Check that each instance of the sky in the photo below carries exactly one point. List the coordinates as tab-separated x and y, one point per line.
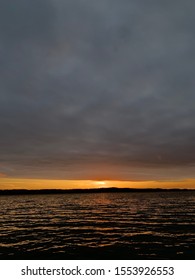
97	90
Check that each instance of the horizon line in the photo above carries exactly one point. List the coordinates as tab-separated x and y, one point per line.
89	190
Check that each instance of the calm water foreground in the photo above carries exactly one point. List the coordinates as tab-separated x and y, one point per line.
157	225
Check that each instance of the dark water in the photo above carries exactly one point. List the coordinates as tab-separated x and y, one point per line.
157	225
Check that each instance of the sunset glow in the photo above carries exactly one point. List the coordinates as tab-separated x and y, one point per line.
97	133
13	183
100	183
96	97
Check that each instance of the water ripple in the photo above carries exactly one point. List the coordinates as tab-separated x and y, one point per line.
118	225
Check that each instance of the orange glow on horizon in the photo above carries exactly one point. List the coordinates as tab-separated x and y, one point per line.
17	183
100	184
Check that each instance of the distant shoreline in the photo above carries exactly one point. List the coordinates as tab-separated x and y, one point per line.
95	190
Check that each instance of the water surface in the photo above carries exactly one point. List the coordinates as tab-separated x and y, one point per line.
155	225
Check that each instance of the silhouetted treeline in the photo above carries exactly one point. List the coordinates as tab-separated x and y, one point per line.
97	190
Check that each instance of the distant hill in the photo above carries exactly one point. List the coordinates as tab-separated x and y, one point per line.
95	190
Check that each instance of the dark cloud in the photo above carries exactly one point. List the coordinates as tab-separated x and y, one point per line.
25	20
89	84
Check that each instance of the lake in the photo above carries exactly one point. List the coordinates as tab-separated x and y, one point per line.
138	225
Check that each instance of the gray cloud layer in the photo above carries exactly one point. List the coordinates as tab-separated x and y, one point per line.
86	84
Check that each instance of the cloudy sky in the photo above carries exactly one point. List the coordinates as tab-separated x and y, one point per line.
97	89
